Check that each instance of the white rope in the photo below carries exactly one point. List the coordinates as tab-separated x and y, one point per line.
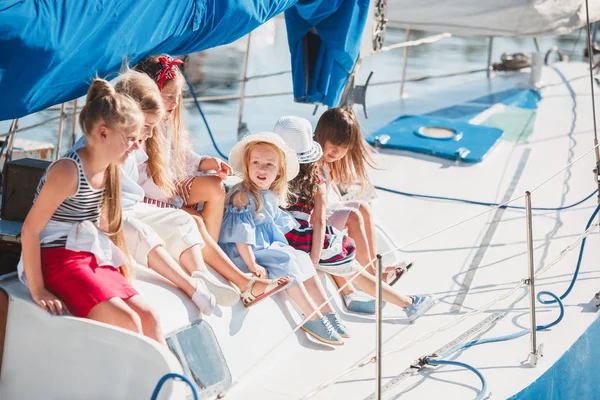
367	360
429	334
418	42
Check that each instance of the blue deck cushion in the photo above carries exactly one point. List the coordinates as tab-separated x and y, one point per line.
470	144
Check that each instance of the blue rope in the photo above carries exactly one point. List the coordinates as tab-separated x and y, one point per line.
210	134
481	203
467	366
440	361
173	375
576	273
554	299
520	333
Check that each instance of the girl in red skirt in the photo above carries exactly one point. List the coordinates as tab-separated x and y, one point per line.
68	263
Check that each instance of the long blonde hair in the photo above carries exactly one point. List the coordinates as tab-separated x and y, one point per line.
340	127
116	111
142	89
180	138
279	185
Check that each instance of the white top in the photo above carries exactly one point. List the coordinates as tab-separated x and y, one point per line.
192	163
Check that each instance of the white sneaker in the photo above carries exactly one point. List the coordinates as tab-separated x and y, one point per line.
203	299
226	295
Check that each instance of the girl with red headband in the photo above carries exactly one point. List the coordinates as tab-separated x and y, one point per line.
171	177
187	169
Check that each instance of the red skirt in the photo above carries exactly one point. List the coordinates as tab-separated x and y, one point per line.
76	278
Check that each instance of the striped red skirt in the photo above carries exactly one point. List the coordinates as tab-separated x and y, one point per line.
184	188
338	248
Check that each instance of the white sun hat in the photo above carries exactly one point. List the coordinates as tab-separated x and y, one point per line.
236	154
298	134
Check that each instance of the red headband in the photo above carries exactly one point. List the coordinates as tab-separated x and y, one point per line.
167	70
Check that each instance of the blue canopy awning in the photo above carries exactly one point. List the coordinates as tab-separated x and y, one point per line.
324	39
52	49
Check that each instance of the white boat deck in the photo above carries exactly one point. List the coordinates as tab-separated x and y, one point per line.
488	252
443	261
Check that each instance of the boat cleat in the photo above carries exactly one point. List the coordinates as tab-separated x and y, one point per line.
532	359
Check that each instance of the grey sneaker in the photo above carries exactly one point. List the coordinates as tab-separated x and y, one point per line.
419	306
322	330
338	325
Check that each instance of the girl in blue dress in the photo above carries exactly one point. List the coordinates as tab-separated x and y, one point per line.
254	228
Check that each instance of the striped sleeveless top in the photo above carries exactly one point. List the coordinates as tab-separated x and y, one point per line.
84	205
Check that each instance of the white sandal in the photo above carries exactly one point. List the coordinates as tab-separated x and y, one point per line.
248	299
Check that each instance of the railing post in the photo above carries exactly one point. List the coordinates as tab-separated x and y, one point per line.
10	142
241	128
61	120
534	355
404	62
379	294
74	123
489	58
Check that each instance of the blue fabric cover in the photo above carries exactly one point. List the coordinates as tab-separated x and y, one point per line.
52	49
339	24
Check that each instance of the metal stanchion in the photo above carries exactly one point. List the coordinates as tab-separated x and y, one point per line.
60	131
404	61
489	58
379	295
74	123
241	129
535	354
9	142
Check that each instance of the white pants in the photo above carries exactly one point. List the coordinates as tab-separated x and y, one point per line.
146	227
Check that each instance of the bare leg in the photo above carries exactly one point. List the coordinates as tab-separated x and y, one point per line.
160	261
361	229
191	260
317	293
116	312
300	297
357	231
218	260
150	325
210	190
367	282
341	281
369	225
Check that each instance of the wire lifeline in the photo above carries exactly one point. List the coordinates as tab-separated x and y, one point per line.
482	203
518	334
504	338
210	134
576	273
450	323
454	322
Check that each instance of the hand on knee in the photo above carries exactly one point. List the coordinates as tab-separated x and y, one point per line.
213	188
